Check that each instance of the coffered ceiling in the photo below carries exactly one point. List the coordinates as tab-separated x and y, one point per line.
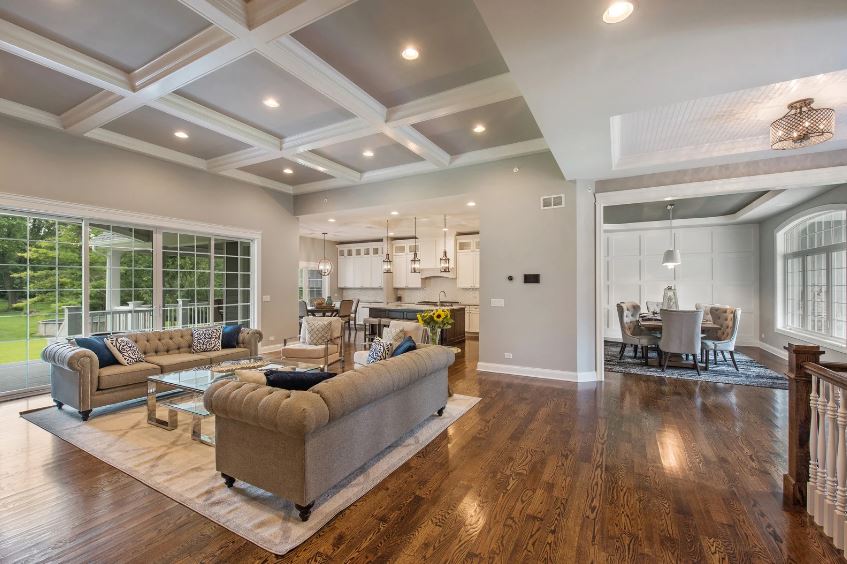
343	106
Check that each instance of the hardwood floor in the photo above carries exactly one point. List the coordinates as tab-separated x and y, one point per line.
634	469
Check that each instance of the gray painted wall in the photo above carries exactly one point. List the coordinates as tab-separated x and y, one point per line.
767	268
516	237
40	162
312	250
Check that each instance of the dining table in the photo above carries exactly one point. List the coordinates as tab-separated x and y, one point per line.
323	311
653	324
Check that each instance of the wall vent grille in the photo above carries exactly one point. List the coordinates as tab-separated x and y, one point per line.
554	201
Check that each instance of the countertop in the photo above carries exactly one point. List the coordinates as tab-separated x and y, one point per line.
416	307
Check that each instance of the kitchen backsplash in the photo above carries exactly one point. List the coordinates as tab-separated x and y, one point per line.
428	292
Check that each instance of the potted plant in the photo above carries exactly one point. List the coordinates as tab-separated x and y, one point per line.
436	320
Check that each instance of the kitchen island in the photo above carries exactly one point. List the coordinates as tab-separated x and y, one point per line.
409	312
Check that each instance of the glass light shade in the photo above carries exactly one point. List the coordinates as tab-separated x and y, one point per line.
416	264
672	258
444	262
325	266
386	265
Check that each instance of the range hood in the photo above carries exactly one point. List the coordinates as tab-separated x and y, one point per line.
436	273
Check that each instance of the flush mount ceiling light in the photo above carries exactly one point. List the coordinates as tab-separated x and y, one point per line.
395	213
802	126
444	261
479	128
386	262
415	262
618	11
367	153
325	266
270	102
671	257
181	134
410	53
471	204
287	171
331	220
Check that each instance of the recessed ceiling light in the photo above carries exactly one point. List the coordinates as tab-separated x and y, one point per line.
668	199
287	171
367	153
395	213
618	11
471	204
479	128
181	134
516	169
444	229
331	220
392	233
270	102
410	53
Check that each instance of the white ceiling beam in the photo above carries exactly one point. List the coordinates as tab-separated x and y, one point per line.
31	46
240	159
229	15
518	149
258	180
419	144
271	19
481	93
198	114
187	62
327	166
354	128
32	115
143	147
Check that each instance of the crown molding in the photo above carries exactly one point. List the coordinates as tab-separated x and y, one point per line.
327	166
149	149
340	132
240	159
258	180
205	42
419	144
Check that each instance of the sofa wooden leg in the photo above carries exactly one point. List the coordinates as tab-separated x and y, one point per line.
440	412
58	404
305	510
228	480
85	414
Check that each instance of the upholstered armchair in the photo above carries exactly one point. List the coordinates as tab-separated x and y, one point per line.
632	333
728	320
324	351
681	334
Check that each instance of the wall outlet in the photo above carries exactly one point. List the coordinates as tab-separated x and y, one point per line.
272	338
763	336
507	355
498	302
266	298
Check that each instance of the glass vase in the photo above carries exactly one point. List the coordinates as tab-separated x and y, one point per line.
435	336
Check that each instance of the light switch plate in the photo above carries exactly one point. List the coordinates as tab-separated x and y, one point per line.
266	298
498	302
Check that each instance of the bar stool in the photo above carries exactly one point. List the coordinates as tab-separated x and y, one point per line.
374	327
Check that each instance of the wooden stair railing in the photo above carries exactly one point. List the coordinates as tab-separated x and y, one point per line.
817	440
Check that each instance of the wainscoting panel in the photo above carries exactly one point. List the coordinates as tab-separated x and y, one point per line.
719	265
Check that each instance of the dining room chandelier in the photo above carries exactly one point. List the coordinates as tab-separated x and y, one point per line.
671	257
444	261
802	126
386	262
416	262
325	266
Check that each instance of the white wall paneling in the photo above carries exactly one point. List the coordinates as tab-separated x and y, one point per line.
719	265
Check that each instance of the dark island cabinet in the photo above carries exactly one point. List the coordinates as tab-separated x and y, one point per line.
451	336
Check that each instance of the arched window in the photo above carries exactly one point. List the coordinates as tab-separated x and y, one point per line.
812	254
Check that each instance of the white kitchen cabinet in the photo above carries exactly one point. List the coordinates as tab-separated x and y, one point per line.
472	319
402	265
467	262
360	266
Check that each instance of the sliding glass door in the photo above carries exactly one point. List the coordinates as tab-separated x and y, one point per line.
41	277
64	277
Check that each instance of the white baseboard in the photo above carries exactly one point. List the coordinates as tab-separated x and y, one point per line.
270	349
562	375
781	353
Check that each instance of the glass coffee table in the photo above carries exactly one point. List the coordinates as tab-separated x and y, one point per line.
193	383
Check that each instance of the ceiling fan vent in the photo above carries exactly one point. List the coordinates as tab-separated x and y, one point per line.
554	201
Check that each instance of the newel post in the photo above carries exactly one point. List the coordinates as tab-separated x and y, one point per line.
799	422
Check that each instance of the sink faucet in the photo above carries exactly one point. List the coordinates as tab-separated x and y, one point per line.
439	297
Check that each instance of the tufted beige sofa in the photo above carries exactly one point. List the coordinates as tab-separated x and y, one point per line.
77	380
300	444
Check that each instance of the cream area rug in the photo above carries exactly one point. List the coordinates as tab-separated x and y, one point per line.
184	470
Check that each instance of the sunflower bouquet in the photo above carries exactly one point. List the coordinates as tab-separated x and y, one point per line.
435	321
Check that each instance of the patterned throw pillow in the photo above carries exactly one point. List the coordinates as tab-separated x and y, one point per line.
318	330
394	336
125	350
206	339
380	350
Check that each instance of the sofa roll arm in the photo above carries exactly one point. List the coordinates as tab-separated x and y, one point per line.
250	339
70	357
291	412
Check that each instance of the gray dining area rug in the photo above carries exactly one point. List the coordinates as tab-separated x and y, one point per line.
172	463
750	372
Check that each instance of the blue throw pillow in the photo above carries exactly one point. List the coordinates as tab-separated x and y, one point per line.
229	337
97	345
406	345
296	380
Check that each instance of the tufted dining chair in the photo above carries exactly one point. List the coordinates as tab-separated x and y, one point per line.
728	320
653	307
632	333
681	334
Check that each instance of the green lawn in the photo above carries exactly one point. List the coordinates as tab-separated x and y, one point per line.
13	344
